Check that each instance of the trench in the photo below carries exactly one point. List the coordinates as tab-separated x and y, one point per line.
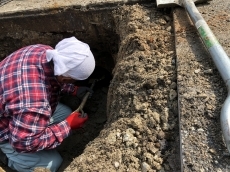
96	28
133	115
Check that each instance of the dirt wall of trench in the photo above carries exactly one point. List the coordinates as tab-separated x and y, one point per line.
141	132
94	26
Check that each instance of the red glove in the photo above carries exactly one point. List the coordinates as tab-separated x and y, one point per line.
76	120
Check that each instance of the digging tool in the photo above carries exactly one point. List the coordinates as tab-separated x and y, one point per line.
216	51
86	96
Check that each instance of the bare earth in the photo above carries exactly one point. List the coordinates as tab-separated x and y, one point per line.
133	123
201	89
141	128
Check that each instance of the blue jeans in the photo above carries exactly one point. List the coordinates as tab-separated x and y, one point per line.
26	162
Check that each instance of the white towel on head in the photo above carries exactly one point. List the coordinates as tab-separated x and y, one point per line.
72	58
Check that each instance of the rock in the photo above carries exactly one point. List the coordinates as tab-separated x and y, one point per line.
116	164
172	94
173	85
136	122
155	116
111	138
208	71
160	135
169	28
41	169
145	167
1	170
197	71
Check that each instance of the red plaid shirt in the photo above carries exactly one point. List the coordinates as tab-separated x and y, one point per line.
29	94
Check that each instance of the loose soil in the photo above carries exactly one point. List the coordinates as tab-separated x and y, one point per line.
133	123
141	131
201	89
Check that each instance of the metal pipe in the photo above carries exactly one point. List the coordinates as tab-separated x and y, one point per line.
220	59
225	122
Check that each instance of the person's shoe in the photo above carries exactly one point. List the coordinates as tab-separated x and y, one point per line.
3	158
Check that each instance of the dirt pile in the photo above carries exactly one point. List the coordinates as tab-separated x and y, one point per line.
141	130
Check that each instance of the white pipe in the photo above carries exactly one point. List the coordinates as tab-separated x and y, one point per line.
220	59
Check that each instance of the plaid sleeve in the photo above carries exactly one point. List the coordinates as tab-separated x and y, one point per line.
28	136
31	111
68	89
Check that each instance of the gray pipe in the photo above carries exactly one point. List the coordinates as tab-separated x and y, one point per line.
220	59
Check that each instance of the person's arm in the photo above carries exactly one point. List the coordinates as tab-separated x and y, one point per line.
68	89
30	132
30	109
75	90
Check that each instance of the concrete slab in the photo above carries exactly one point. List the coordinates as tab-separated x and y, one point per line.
28	6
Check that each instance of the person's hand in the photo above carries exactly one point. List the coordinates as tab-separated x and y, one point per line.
76	120
81	91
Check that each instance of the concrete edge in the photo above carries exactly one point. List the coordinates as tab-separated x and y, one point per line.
12	10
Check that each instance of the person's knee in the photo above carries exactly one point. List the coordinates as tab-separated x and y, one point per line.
57	161
52	162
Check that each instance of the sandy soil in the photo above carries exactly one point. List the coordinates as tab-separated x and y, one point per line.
141	131
138	131
201	89
133	123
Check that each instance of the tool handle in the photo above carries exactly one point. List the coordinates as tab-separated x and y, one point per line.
85	98
216	51
220	59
